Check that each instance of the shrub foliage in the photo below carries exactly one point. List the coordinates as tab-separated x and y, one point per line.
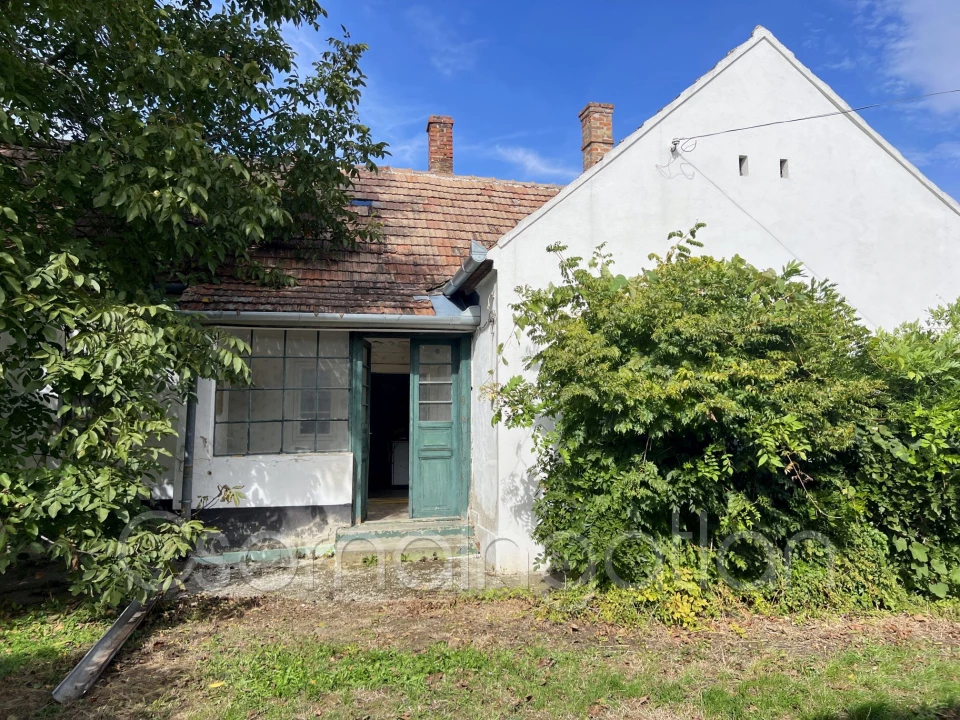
750	409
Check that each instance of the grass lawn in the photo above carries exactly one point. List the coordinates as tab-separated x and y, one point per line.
456	657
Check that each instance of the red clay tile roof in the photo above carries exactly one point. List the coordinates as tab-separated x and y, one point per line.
428	222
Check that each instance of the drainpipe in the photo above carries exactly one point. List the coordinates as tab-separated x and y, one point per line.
186	485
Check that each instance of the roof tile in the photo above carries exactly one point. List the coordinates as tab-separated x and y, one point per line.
428	222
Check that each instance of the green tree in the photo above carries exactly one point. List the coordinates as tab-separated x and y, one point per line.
143	142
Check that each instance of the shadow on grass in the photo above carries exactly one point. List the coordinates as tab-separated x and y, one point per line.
887	711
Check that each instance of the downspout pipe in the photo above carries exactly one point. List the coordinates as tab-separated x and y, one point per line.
186	484
478	253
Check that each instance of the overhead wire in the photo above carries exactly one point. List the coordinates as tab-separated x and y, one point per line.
677	141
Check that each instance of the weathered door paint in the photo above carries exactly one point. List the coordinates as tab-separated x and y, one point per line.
435	429
360	424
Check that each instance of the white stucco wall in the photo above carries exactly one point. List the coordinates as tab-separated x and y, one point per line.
850	211
484	482
168	487
306	479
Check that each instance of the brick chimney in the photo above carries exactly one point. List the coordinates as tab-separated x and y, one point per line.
596	122
440	144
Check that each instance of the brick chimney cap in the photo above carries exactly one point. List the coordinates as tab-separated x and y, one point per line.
592	107
439	120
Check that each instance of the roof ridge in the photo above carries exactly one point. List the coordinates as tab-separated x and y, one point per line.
446	176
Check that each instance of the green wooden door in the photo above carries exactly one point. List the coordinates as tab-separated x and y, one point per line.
360	425
435	472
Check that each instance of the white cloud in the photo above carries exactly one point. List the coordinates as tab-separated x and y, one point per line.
919	44
847	63
449	52
534	165
945	153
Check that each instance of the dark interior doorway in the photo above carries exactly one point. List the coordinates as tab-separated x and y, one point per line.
389	435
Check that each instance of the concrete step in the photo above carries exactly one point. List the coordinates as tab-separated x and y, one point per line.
373	543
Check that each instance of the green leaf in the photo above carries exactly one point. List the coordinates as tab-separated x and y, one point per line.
900	544
918	551
939	589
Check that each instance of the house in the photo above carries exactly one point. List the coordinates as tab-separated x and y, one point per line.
371	372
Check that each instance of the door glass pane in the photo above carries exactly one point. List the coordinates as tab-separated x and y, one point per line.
436	392
334	344
231	406
298	436
433	373
230	439
332	436
435	354
302	343
436	412
267	373
268	342
265	437
265	405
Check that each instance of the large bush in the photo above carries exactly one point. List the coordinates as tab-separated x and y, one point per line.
744	406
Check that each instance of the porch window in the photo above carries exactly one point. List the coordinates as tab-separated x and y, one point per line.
300	397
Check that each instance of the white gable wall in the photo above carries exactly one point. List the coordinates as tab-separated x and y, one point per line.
850	211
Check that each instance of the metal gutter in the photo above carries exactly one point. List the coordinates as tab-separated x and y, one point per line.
478	253
85	674
467	320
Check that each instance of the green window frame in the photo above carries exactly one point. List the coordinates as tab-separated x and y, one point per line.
300	398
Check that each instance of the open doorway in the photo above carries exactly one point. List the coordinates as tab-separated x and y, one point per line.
388	483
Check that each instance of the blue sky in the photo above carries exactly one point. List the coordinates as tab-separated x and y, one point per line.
515	74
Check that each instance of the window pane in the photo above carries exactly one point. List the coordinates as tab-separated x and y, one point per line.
320	404
332	436
441	412
301	373
265	437
333	404
300	404
296	398
334	374
435	353
298	437
430	373
230	439
334	344
231	405
301	343
435	392
267	373
265	405
268	342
